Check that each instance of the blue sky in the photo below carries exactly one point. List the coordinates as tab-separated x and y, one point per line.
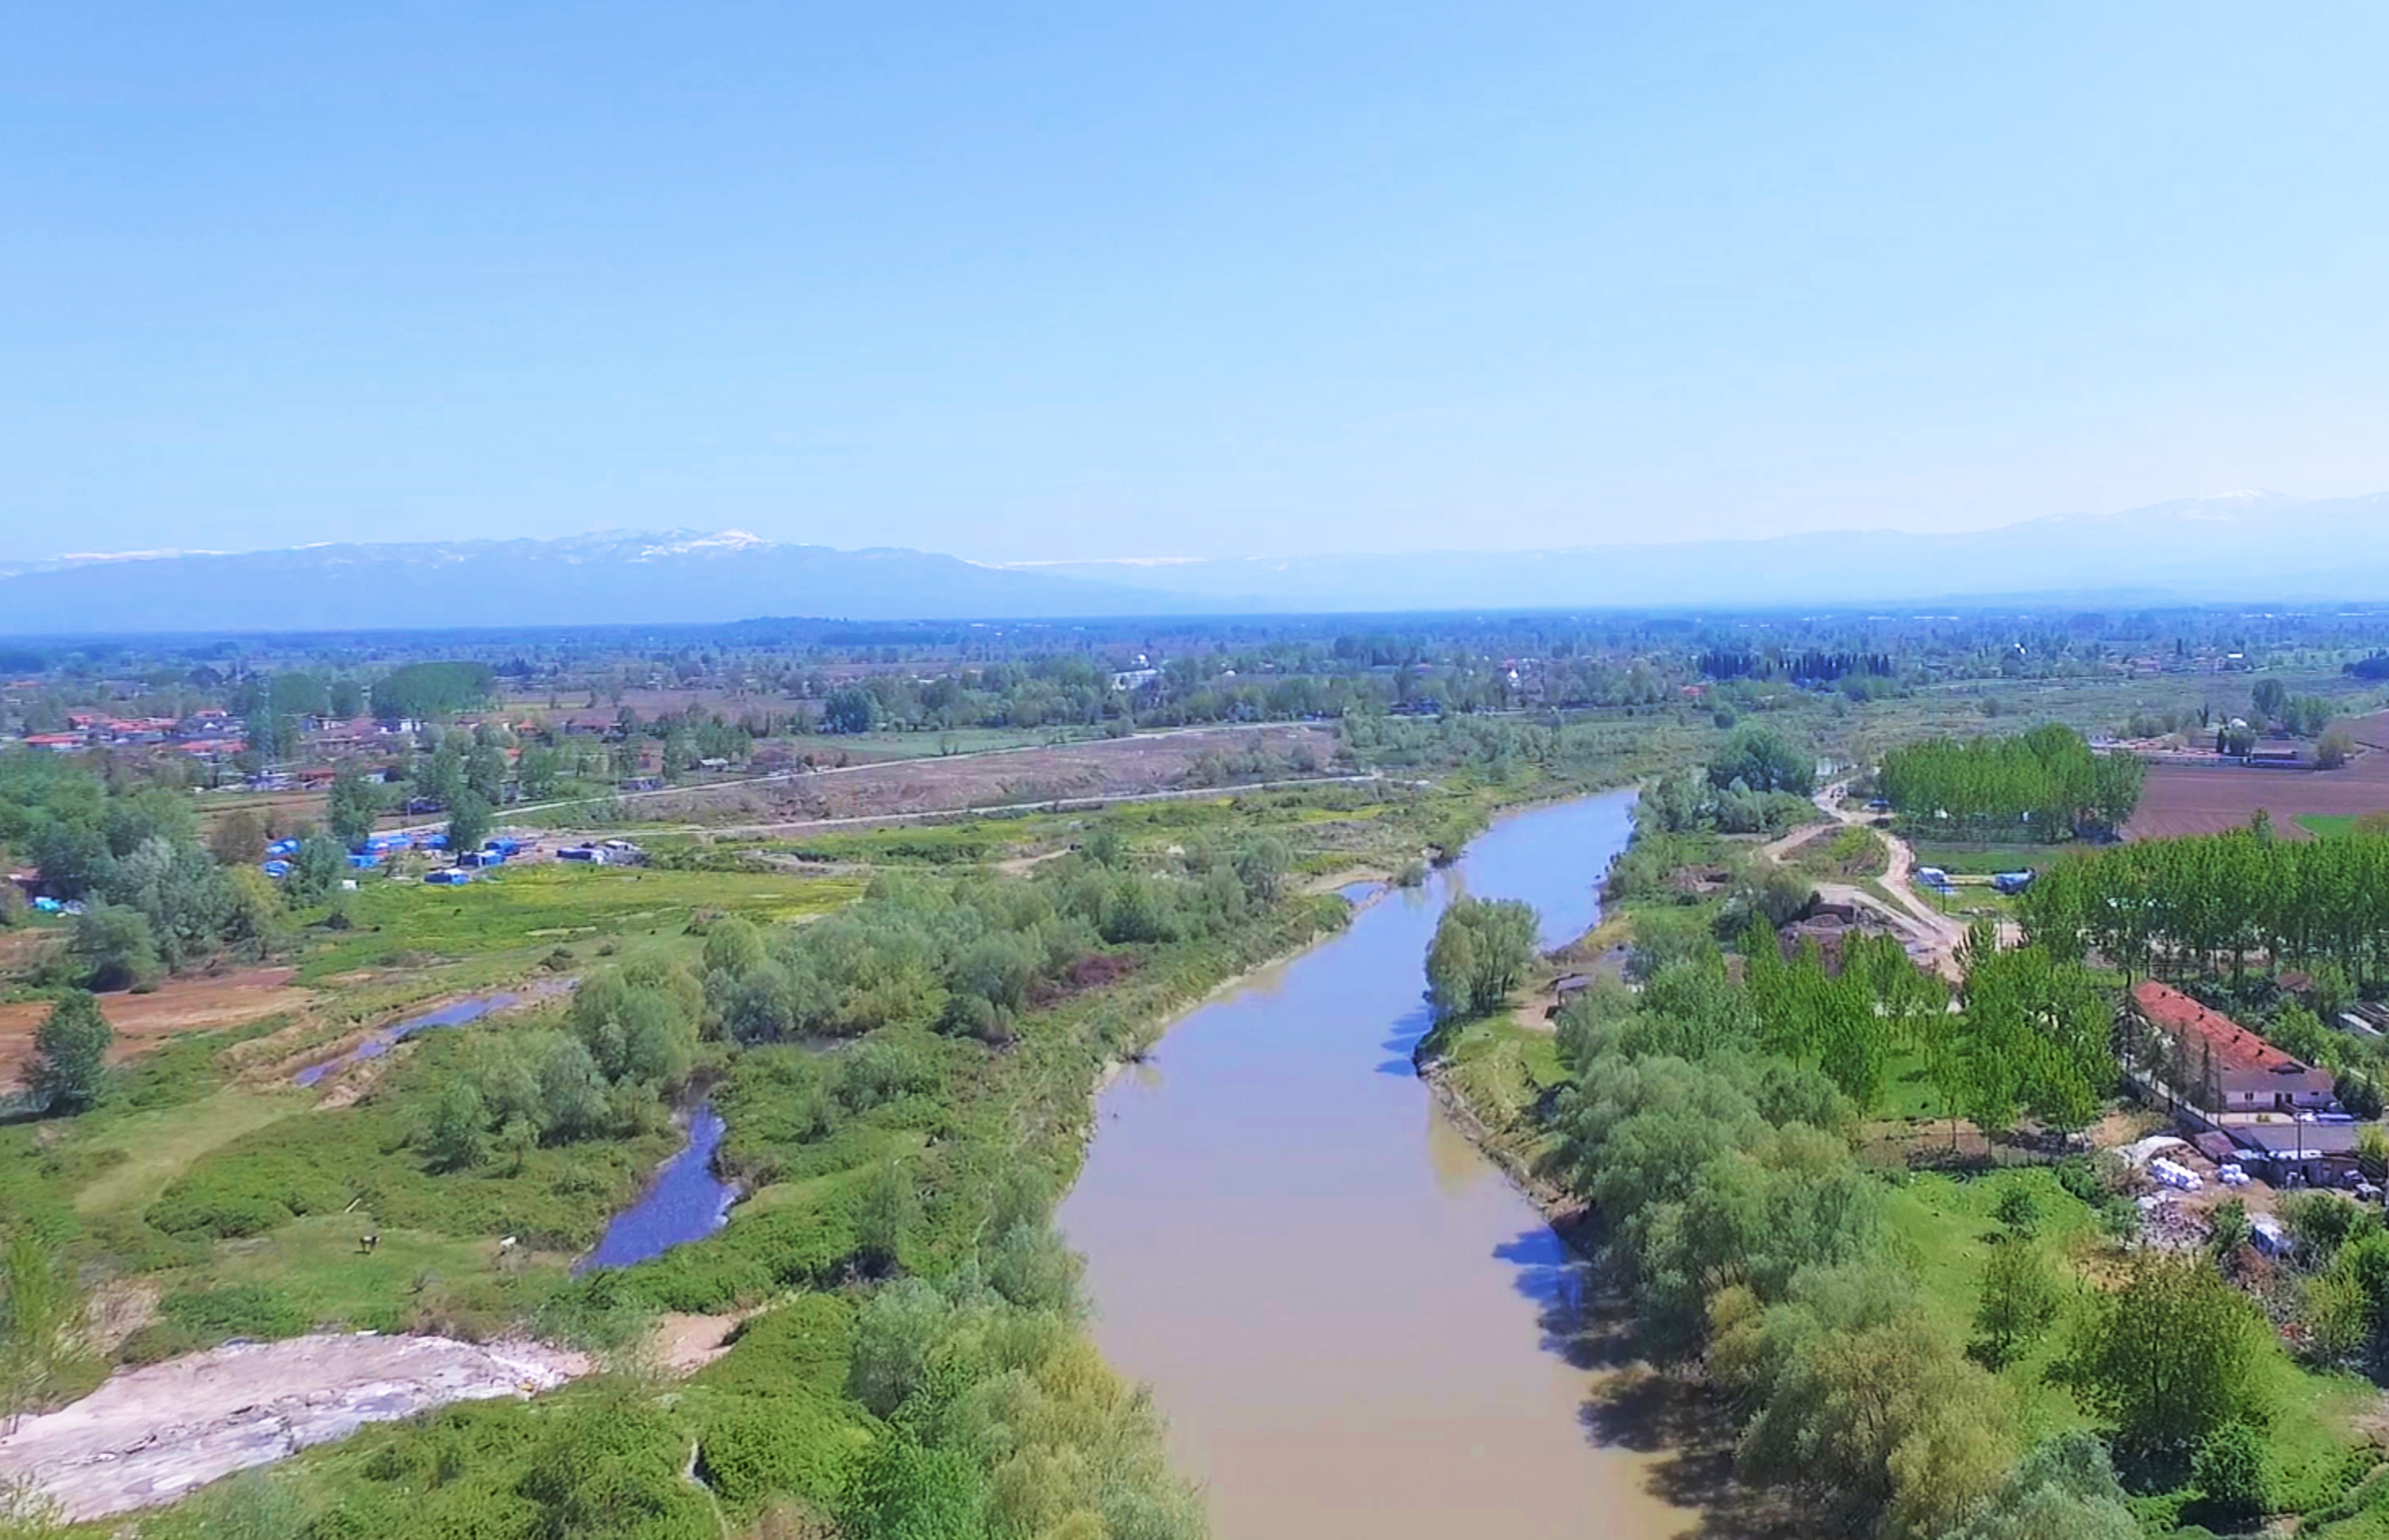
1027	281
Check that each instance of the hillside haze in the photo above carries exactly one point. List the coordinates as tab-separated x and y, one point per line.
2247	546
2238	546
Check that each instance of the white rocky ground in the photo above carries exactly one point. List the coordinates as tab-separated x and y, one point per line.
149	1435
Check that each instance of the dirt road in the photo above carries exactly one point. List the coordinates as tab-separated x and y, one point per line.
1929	936
149	1435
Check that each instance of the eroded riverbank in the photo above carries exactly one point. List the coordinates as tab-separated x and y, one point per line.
1353	1321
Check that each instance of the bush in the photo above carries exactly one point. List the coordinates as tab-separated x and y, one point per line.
2234	1475
250	1310
793	1444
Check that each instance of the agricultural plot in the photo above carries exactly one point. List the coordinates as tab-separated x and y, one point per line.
2183	800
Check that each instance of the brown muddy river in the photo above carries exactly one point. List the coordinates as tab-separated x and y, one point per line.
1351	1319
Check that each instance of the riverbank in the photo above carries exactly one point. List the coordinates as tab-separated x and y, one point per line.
1275	1199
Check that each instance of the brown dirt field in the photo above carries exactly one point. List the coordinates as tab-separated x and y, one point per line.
1118	767
142	1022
2182	801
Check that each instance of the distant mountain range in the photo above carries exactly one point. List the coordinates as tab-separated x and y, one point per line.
2238	547
615	578
2244	547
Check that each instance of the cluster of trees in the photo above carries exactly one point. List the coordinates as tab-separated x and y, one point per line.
1799	666
1688	801
425	691
1761	759
1711	1125
2046	784
1482	948
157	898
2213	902
996	1416
2030	1034
970	957
1751	1236
629	1038
2303	715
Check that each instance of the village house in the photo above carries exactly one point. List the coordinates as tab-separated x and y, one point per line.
2225	1068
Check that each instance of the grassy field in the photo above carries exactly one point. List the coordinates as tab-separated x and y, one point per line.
2334	826
533	909
1984	860
1845	854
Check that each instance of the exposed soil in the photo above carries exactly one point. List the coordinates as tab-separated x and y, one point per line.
149	1435
683	1345
142	1022
2181	799
1932	938
1004	778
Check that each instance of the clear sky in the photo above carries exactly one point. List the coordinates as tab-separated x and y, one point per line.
1039	281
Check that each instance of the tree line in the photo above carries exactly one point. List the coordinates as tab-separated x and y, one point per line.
2214	903
2046	784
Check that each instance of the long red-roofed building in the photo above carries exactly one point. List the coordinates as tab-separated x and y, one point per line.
2230	1068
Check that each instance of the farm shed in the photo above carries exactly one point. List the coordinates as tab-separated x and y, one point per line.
2226	1067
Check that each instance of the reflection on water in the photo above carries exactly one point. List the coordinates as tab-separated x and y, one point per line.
1351	1319
382	1040
685	1202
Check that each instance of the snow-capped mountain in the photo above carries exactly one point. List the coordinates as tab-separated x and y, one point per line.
2247	547
615	577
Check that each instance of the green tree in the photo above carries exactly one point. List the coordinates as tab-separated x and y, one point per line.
2018	1300
2171	1357
2063	1489
2230	1227
468	823
68	1068
317	871
355	802
539	769
239	839
885	1213
1482	949
41	1318
485	772
456	1132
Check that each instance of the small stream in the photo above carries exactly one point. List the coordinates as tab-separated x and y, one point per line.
382	1040
685	1202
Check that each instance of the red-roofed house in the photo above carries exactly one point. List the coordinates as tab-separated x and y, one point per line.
2228	1067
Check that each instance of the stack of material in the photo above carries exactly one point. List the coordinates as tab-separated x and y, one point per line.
2167	1226
2174	1174
2141	1152
2230	1175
